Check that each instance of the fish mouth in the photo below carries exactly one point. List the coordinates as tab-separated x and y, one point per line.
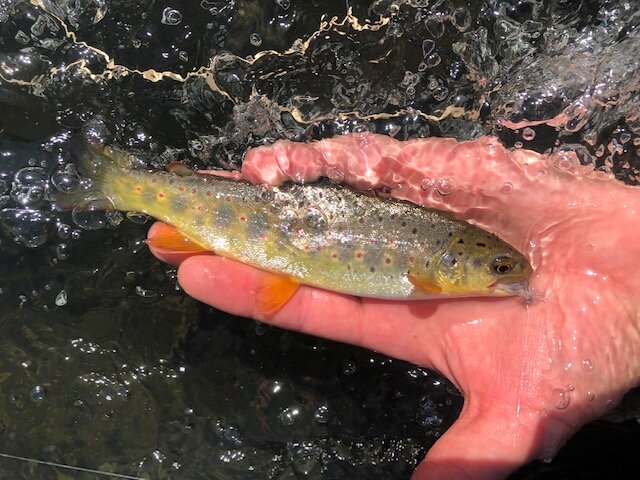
516	288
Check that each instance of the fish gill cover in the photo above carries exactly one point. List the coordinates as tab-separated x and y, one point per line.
106	365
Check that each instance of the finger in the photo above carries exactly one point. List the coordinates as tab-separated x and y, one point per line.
405	330
483	445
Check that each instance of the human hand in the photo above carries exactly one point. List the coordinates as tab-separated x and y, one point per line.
531	374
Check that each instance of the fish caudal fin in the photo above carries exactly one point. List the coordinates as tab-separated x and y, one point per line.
101	166
275	292
170	239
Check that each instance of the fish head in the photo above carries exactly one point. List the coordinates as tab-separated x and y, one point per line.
474	263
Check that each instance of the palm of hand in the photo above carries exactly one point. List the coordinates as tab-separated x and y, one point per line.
531	373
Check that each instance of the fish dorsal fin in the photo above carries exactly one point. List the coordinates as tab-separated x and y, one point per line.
170	239
423	284
274	293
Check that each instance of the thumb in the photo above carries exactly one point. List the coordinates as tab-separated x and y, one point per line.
487	445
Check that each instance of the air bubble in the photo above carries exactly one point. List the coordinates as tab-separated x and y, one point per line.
314	219
255	39
171	16
29	226
92	215
528	133
64	231
426	183
61	298
37	394
433	60
283	4
427	46
434	26
586	365
62	251
29	186
321	414
348	367
560	398
65	179
289	415
506	188
461	19
445	187
137	217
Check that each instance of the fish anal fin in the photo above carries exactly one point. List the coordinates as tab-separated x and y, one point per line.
424	284
170	239
274	293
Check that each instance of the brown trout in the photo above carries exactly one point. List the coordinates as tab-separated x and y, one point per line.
326	236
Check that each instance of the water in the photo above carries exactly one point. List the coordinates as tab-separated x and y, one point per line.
109	366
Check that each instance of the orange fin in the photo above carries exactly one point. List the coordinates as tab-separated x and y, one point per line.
424	284
170	239
275	291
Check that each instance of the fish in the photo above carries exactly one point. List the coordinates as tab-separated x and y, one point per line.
323	235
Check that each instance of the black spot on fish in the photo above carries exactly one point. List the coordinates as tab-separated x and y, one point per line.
438	242
480	244
404	224
414	231
451	234
380	218
372	269
461	241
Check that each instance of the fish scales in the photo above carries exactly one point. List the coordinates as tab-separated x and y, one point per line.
326	236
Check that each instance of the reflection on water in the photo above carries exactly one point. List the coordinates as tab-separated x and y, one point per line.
106	364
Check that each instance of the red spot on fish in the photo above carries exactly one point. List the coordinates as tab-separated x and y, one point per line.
298	230
334	254
412	259
392	241
306	248
209	193
199	208
193	190
359	254
161	195
228	198
372	241
181	189
318	248
387	260
243	218
138	188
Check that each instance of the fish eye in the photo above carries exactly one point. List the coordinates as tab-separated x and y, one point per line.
502	265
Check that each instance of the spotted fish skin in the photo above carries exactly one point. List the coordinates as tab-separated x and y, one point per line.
326	236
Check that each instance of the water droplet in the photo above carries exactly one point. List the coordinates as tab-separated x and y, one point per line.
255	39
586	365
590	396
61	298
171	16
426	183
289	415
283	4
433	60
445	187
560	398
528	133
321	414
517	144
260	329
37	394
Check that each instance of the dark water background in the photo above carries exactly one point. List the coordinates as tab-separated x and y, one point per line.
107	365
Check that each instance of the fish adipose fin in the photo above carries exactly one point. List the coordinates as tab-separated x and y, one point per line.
276	290
170	239
423	284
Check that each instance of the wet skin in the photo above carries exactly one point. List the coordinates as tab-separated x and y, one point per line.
531	374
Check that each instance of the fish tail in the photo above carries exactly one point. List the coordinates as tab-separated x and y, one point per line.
100	167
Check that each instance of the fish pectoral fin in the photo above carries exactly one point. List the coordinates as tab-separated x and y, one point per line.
423	284
179	168
275	291
170	239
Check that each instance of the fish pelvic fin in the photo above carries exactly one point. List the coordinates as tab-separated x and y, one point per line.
169	239
423	284
274	293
